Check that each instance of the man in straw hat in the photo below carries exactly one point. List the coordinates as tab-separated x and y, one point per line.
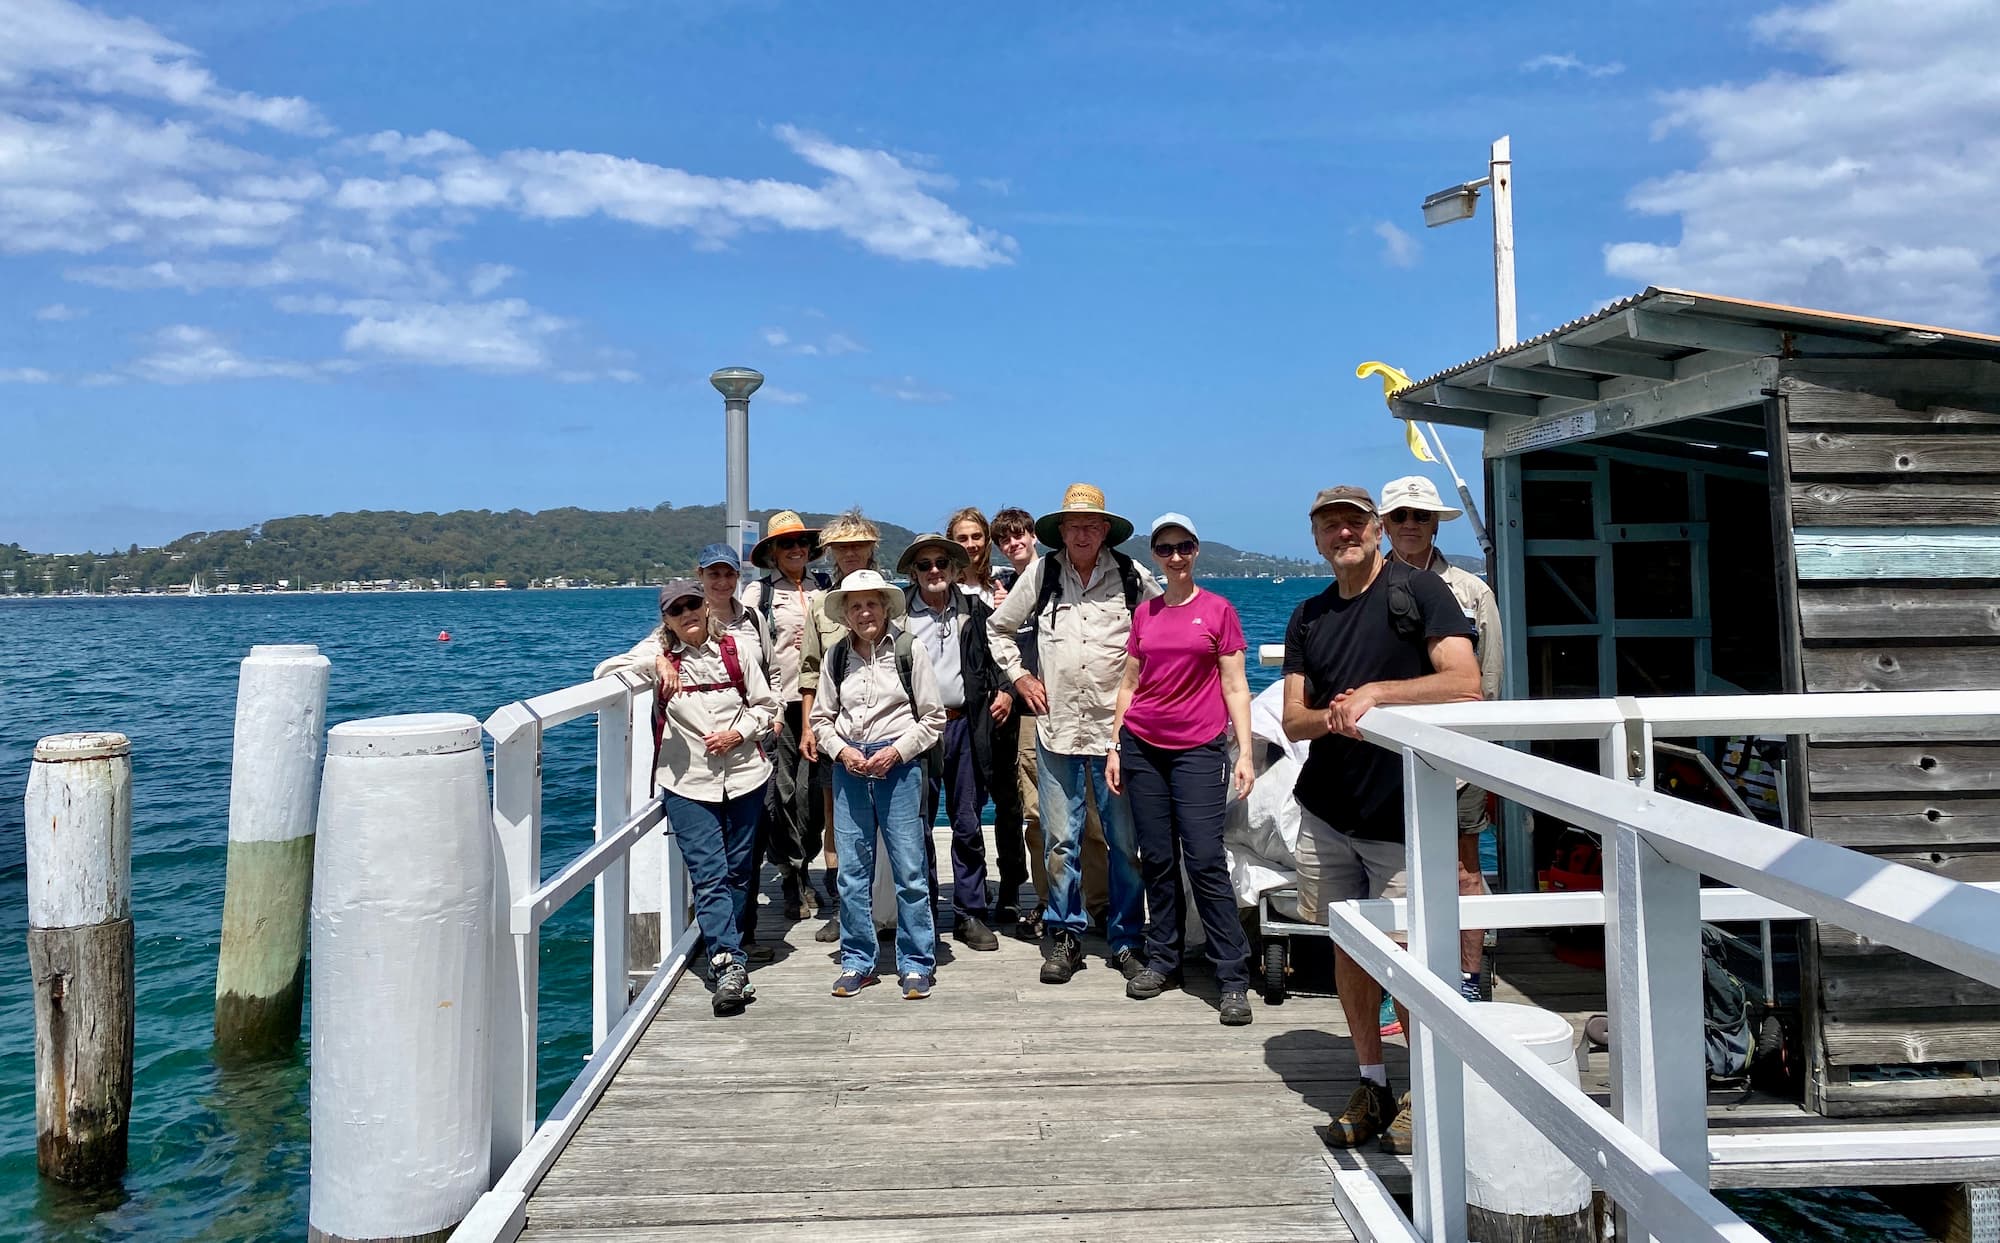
875	713
1383	633
785	598
1411	512
1080	599
951	628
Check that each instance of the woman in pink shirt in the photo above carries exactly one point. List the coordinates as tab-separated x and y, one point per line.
1184	691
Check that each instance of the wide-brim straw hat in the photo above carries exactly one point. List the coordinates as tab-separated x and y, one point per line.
864	580
777	526
1416	492
1081	498
931	539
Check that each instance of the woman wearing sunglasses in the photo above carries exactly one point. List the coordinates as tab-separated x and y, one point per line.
1184	691
711	771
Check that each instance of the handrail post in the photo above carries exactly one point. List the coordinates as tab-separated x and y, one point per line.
610	981
1437	1077
645	866
517	824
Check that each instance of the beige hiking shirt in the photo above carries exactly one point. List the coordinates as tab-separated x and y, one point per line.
1476	599
869	704
1081	643
791	609
685	767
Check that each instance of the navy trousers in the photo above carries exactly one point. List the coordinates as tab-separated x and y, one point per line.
1177	799
715	841
964	789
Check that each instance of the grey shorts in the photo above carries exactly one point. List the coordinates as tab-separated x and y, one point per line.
1334	867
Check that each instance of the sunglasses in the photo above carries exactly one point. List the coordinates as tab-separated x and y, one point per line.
1410	515
686	604
1186	548
928	564
792	541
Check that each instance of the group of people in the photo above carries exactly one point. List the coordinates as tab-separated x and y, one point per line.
1107	717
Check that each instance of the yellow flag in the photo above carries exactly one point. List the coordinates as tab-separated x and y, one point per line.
1393	379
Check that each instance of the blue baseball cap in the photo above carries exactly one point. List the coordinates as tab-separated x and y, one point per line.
719	554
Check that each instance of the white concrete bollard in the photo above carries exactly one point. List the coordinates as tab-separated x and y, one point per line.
1518	1185
267	893
402	927
78	827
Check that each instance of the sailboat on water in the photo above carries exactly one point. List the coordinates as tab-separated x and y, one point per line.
195	588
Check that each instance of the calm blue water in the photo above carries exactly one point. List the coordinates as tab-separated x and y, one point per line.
222	1155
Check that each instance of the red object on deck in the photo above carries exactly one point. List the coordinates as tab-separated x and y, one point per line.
444	636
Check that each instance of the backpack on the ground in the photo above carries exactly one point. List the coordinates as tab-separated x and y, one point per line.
1725	1005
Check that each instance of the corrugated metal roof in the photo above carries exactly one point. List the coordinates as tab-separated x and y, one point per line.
1772	315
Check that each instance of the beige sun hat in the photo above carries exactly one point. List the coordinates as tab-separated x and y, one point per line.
1081	498
776	527
906	563
1416	492
864	580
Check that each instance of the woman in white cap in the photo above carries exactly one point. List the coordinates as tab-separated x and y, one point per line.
712	772
876	713
1412	510
1184	692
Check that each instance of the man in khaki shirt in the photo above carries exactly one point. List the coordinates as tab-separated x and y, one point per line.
1411	511
1082	619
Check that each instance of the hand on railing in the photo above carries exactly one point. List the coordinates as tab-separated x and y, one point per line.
1344	714
670	677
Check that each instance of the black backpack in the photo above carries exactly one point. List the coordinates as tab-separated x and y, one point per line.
766	601
905	643
1051	585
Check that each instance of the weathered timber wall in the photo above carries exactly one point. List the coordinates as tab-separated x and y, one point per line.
1894	492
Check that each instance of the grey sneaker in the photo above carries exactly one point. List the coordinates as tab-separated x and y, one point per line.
1235	1008
1149	984
829	932
731	986
1129	963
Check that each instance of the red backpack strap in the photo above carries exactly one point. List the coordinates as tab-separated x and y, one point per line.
733	663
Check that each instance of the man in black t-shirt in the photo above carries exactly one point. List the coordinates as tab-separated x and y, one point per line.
1382	634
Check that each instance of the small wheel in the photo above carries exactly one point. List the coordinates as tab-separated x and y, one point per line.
1276	950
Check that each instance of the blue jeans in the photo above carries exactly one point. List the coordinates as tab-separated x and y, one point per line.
891	806
715	841
1065	782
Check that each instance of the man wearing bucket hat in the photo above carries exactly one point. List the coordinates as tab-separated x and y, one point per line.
785	598
951	628
1383	633
1080	599
1411	512
875	714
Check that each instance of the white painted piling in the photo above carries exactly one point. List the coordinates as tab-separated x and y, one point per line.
79	853
267	894
648	863
1519	1186
402	927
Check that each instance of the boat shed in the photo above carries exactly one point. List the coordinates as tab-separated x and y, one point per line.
1693	494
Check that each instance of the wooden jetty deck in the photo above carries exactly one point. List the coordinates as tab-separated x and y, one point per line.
1002	1108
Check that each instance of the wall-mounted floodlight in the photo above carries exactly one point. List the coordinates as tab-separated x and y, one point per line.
1453	205
1461	202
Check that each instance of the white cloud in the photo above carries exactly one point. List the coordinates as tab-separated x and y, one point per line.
1399	249
503	336
909	388
1566	62
53	42
25	375
1866	185
185	354
487	277
783	396
777	338
833	345
60	311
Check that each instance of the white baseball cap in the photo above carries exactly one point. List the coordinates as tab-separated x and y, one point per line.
1172	519
1415	492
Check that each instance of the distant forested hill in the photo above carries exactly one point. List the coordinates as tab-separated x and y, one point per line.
646	545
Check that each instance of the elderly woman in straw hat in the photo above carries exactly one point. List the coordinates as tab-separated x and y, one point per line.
850	541
1080	599
876	712
785	599
1412	510
712	772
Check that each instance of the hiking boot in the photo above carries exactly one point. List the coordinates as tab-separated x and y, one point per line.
1368	1112
852	982
829	932
1149	984
1400	1138
916	985
731	988
1129	963
758	952
1006	913
1030	927
1235	1008
1064	956
974	934
793	899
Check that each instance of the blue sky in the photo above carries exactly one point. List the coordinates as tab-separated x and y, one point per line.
306	257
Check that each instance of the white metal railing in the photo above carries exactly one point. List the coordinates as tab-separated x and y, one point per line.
1650	1152
627	812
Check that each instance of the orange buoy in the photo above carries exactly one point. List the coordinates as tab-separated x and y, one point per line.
444	636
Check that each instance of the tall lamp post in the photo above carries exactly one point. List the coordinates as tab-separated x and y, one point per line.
1461	201
736	384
